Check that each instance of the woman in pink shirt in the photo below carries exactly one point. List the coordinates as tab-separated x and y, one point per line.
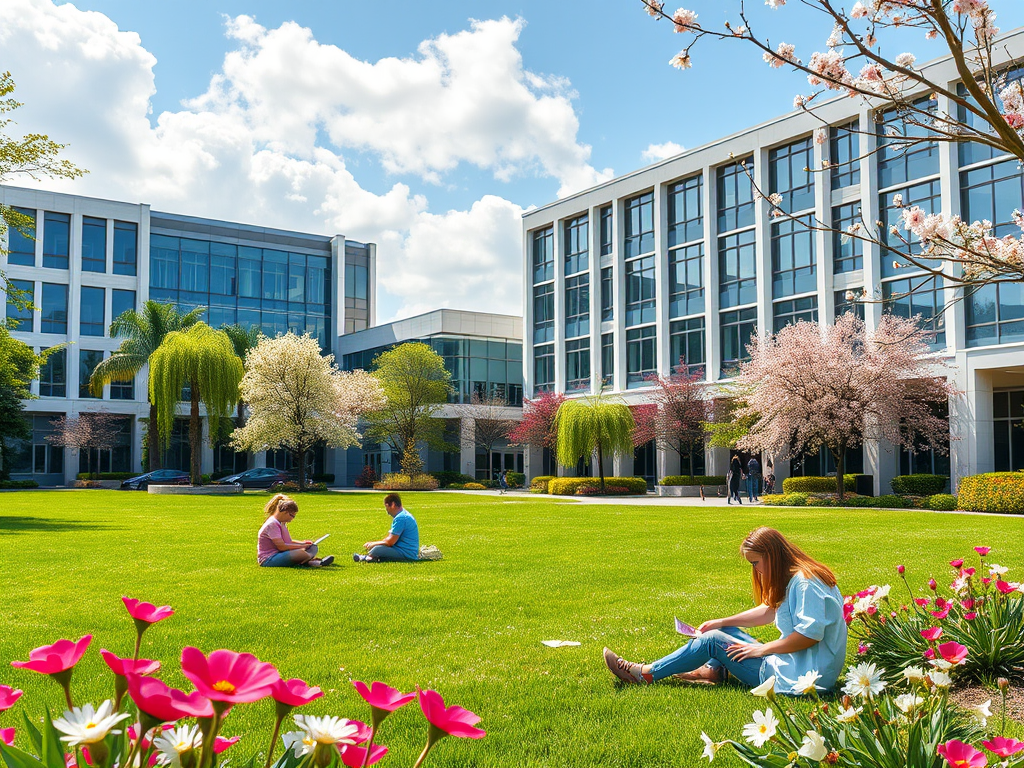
275	548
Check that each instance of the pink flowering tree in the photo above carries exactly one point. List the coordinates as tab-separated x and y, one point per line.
683	408
537	427
809	386
856	62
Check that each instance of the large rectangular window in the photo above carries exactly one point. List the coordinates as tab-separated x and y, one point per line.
993	193
94	244
972	152
926	196
92	322
794	311
55	308
735	197
686	341
53	375
1008	429
56	239
544	255
902	154
737	327
21	241
920	297
222	269
994	314
163	259
793	261
316	280
844	151
577	244
641	356
20	318
847	249
275	277
844	304
126	247
641	296
607	243
607	361
250	273
686	280
297	278
120	302
577	306
357	281
639	229
544	368
577	365
685	211
122	390
737	269
607	294
543	313
790	174
88	359
195	266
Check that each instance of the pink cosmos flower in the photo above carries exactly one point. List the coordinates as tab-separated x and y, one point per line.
932	584
901	569
952	652
971	616
967	603
146	612
922	600
363	732
957	563
164	704
862	648
929	654
8	696
940	614
933	633
968	571
56	658
383	699
226	676
122	667
960	755
848	612
7	736
354	756
1005	587
872	610
221	743
983	550
1004	747
941	602
453	720
294	692
986	580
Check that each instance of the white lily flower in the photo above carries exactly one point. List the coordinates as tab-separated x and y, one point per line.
907	702
328	730
941	664
710	747
881	593
983	712
764	688
172	744
86	725
807	683
914	675
864	680
762	729
940	679
813	747
849	715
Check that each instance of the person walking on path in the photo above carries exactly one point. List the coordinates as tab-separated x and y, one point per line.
402	544
503	481
734	478
753	479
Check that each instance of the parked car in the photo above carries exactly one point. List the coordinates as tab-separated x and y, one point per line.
261	477
158	477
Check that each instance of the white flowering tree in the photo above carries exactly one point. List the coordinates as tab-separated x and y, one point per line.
988	109
297	398
809	386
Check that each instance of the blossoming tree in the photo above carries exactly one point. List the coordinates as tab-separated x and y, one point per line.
809	386
987	109
298	398
684	407
537	428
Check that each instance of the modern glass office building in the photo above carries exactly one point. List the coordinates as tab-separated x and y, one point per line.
675	266
88	260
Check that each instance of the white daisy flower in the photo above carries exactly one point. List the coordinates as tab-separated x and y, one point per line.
299	742
864	680
849	715
86	725
328	730
907	702
998	570
940	679
175	742
762	729
807	683
813	747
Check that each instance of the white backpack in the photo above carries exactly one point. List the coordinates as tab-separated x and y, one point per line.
430	552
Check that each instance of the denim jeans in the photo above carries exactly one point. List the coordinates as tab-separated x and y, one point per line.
709	649
390	555
284	559
753	487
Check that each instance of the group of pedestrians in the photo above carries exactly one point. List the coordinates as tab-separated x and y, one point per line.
752	476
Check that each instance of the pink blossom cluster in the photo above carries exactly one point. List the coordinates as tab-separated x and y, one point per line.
684	20
786	52
1012	97
829	69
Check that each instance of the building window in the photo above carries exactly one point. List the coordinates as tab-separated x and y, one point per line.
685	211
607	361
20	318
901	156
297	278
639	234
577	365
641	298
994	314
790	174
686	342
993	193
87	361
972	152
91	322
275	280
122	390
94	244
577	306
544	368
357	282
316	281
844	151
737	269
250	273
56	239
577	245
843	305
929	462
920	297
737	328
222	269
795	311
641	356
793	260
21	242
543	313
126	247
1008	424
163	259
544	255
847	250
55	308
53	376
195	266
120	302
607	294
686	280
735	197
606	230
926	196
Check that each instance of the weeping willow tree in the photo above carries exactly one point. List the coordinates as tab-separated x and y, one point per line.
593	424
203	360
243	339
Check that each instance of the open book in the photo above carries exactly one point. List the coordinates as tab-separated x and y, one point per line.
686	630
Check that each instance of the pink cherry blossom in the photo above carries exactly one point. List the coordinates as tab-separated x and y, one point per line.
960	755
858	11
453	720
952	652
56	658
8	696
933	633
227	676
684	20
681	60
1003	746
295	692
146	612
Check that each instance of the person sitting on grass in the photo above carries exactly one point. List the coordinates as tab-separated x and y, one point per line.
275	548
792	589
402	544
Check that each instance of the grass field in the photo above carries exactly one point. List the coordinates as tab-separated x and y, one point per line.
516	571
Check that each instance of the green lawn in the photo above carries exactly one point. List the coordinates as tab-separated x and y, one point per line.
516	571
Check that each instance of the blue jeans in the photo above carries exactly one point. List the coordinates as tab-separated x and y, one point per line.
753	487
284	559
709	649
390	555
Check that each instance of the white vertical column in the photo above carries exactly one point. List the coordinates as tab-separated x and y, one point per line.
527	314
762	240
661	279
712	328
594	254
559	249
823	240
142	253
467	446
338	286
619	293
870	214
949	184
371	292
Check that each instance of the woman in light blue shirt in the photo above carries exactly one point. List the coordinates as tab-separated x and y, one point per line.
794	591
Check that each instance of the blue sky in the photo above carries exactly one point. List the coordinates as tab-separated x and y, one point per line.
166	118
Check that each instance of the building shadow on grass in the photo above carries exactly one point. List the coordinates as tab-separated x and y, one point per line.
20	524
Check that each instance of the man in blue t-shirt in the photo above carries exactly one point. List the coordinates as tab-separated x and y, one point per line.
402	544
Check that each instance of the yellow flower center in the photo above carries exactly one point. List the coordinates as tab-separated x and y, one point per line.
763	729
224	686
90	724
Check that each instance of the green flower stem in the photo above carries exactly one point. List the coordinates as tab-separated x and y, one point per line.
206	759
130	762
149	751
63	678
273	737
373	732
423	754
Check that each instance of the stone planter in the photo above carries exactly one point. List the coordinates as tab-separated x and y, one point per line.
691	491
202	490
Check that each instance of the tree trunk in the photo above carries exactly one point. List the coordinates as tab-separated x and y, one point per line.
840	469
302	469
600	466
153	440
490	465
195	437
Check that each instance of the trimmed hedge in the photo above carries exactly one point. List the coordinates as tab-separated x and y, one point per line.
539	484
939	501
515	479
785	499
474	487
446	477
12	484
919	485
609	490
942	502
816	484
687	480
394	481
992	492
568	486
290	486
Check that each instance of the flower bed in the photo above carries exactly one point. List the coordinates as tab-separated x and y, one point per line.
812	484
940	501
684	480
568	486
398	482
992	492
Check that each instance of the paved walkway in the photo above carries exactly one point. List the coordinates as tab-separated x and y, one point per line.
650	499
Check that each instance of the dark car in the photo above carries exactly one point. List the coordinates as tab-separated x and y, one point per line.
159	477
261	477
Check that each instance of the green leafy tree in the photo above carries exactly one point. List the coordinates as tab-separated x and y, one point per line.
593	424
203	360
19	365
243	339
415	384
143	332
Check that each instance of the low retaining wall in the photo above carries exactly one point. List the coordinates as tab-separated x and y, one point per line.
188	490
690	490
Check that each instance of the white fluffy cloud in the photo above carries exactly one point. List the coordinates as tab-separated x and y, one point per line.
267	140
655	152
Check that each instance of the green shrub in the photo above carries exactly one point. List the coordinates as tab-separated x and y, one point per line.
474	487
394	481
455	487
942	502
567	486
891	501
674	480
785	500
447	477
515	479
817	484
919	485
489	483
13	484
609	490
106	475
290	486
540	483
992	492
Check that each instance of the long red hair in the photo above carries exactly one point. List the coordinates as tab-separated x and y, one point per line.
782	559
